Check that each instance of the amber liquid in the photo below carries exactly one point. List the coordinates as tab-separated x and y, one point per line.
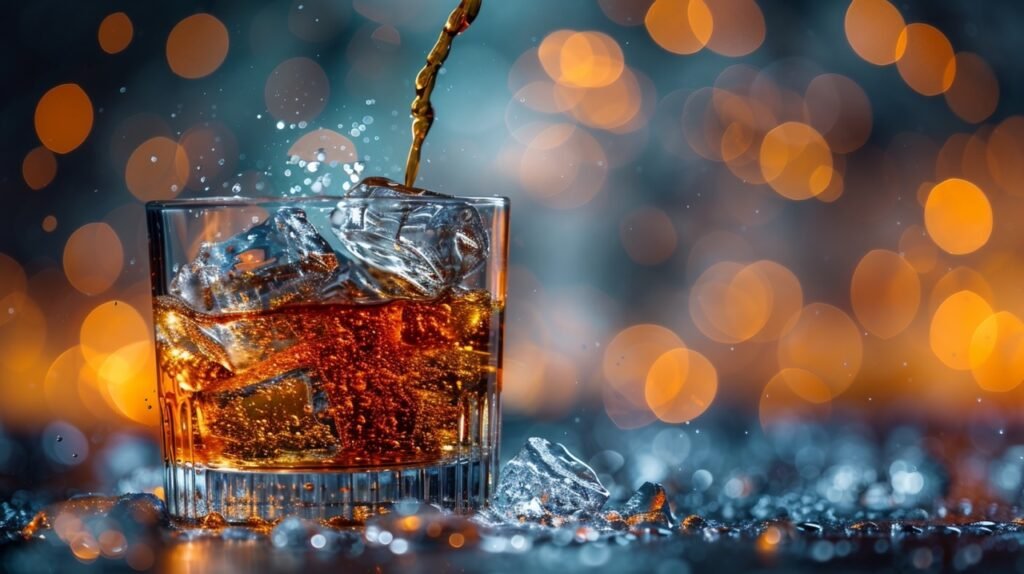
326	386
422	110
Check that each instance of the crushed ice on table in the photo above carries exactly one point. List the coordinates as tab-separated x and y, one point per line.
282	260
409	248
810	495
545	483
93	525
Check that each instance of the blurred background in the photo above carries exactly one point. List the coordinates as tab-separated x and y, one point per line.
722	209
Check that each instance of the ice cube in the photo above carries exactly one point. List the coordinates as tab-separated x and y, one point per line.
195	354
253	339
545	481
416	249
282	260
647	507
277	419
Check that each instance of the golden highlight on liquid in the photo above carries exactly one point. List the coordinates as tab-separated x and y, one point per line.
422	110
324	386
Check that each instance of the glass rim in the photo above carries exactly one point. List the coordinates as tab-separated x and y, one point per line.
239	201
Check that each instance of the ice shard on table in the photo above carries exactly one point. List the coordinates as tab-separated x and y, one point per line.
648	506
546	481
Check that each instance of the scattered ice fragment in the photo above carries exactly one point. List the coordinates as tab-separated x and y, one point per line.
293	532
418	526
418	248
283	260
546	480
647	507
135	515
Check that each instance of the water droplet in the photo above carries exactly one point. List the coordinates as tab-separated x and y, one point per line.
280	125
60	438
152	159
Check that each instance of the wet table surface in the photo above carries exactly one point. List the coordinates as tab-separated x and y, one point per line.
668	499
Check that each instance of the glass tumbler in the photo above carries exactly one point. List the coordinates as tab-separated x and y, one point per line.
325	357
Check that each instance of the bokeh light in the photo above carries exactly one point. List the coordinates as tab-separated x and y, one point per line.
680	385
958	216
93	258
730	302
22	336
12	283
885	292
609	107
49	224
960	278
296	90
787	297
108	328
974	93
873	28
128	376
953	326
626	362
563	166
680	26
839	110
1003	155
39	168
581	59
738	27
210	150
796	161
793	396
324	145
926	62
626	12
197	46
823	340
648	236
115	33
157	169
917	249
64	118
996	352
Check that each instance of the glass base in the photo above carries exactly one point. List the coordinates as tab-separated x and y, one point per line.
242	496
